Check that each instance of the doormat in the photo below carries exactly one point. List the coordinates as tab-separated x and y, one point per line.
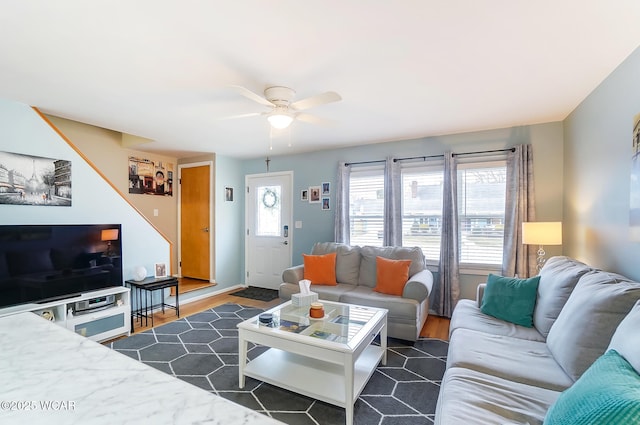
254	293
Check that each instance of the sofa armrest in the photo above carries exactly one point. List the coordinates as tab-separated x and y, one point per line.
419	286
480	294
293	274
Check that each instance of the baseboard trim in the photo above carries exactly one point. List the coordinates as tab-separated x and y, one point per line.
210	294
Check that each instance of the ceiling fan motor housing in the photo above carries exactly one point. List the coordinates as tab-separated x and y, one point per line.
278	95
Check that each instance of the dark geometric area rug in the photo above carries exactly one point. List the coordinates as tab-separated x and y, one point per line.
260	294
202	349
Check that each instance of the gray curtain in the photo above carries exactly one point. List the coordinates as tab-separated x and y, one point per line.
392	203
446	289
342	230
519	259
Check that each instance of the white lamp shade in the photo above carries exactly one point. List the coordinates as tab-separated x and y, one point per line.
542	233
279	121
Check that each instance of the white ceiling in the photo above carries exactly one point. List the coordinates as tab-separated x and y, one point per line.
405	69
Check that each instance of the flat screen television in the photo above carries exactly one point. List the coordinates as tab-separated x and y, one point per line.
40	263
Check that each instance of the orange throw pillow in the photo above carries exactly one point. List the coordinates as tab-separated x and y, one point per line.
320	269
391	275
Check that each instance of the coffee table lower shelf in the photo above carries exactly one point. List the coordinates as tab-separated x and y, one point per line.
314	378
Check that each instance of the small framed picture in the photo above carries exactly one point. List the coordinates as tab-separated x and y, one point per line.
314	194
228	194
325	204
160	270
326	189
304	195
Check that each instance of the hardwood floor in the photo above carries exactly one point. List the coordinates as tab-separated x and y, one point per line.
435	327
188	285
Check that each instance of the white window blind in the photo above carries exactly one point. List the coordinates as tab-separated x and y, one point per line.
366	205
422	208
481	206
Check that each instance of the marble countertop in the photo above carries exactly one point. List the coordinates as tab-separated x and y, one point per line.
50	375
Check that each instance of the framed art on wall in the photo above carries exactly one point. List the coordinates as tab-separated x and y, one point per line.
150	177
34	180
304	195
634	184
314	194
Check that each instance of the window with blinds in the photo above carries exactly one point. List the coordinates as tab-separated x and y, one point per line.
422	208
481	206
366	205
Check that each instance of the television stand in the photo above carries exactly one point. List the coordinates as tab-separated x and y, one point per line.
98	325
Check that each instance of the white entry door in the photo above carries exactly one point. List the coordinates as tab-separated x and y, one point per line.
268	228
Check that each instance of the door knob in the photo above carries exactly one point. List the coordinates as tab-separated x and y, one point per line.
285	243
205	229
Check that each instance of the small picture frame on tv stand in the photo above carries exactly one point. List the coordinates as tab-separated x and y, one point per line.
160	270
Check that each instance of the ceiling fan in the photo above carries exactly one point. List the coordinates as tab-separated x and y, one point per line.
283	111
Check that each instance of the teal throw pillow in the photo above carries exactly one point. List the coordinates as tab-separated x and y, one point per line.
606	393
511	299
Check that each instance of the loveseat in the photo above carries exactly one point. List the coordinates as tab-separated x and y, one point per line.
356	277
555	371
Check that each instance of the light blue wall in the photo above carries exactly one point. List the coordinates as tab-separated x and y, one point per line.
94	200
597	169
229	219
311	169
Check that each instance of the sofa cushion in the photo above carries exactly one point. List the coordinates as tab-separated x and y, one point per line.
467	315
325	292
471	397
347	260
367	276
589	319
518	360
320	269
558	277
607	393
391	275
510	299
625	340
399	308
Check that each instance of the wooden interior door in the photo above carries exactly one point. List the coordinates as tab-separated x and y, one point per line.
195	221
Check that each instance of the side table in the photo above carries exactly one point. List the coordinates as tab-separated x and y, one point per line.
144	296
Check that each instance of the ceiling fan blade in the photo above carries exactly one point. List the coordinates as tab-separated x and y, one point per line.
312	119
317	100
251	95
233	117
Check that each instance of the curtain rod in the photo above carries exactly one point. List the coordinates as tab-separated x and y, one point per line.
482	152
424	158
346	164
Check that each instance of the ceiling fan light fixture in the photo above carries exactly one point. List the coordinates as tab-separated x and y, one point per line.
280	120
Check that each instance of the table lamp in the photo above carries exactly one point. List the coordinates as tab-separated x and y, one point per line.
542	233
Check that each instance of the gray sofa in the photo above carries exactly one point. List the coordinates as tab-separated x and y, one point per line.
356	277
501	373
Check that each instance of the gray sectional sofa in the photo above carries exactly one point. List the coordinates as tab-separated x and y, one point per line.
356	277
501	373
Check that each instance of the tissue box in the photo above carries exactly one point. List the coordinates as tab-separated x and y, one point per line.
300	300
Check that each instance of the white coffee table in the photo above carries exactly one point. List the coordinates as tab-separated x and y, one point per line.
330	359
